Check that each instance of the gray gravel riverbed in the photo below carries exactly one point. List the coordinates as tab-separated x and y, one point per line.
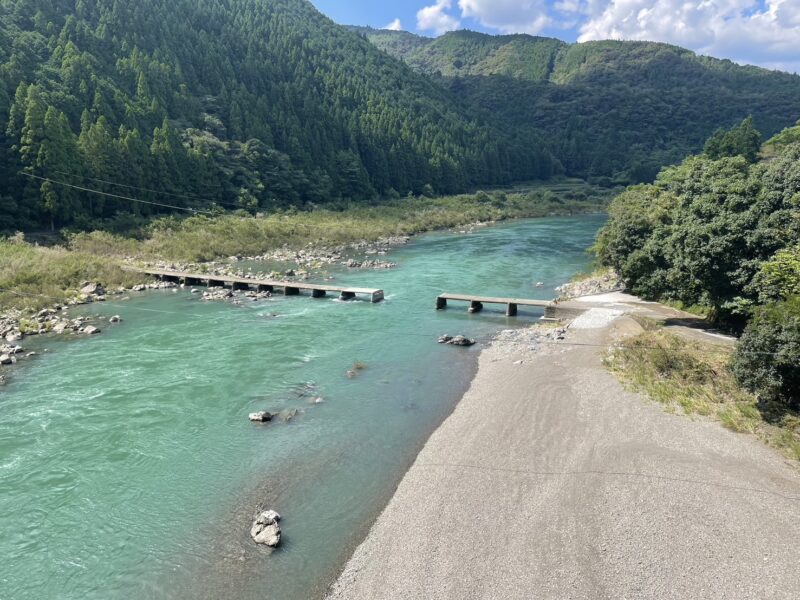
550	480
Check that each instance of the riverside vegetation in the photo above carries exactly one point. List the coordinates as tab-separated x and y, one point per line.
719	233
57	272
694	378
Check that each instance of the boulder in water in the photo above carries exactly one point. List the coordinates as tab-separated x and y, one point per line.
458	340
260	417
265	529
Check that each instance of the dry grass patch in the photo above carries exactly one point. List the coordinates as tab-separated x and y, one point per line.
32	277
692	378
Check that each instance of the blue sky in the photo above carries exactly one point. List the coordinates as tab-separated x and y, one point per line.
381	14
761	32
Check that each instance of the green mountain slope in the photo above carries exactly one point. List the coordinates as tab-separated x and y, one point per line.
464	53
607	109
249	103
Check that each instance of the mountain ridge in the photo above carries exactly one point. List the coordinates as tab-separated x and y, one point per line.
606	109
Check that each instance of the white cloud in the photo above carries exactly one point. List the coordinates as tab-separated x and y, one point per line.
508	16
741	30
436	18
395	25
567	6
761	32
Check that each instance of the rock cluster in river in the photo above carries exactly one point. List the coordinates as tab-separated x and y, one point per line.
458	340
266	528
261	416
159	285
369	264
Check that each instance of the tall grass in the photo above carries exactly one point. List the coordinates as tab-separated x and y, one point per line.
693	378
27	273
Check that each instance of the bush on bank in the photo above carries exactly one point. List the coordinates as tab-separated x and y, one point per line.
767	359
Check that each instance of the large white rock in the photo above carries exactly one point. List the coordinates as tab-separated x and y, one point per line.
266	530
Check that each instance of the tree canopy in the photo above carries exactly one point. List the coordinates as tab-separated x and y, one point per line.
723	233
245	103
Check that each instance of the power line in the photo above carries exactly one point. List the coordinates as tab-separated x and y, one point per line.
185	197
91	191
142	189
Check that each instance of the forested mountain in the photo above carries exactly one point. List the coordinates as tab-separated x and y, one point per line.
250	103
261	104
607	109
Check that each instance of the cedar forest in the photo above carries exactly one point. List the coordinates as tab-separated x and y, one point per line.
263	105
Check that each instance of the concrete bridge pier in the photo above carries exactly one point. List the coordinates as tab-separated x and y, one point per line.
511	310
347	296
291	291
318	293
441	303
475	306
264	288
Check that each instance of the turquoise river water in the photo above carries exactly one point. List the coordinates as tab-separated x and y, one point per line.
128	468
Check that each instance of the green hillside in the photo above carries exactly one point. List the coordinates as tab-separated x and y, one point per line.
248	103
607	109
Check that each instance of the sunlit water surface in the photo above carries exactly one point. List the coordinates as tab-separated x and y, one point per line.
128	468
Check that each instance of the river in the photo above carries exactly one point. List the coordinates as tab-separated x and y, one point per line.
128	468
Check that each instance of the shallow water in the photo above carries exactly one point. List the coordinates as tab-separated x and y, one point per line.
128	468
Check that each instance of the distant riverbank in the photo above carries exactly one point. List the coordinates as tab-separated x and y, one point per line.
32	275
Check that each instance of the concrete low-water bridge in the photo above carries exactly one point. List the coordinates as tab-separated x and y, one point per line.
552	310
290	288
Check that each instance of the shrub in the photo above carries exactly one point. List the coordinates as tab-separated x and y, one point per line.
767	360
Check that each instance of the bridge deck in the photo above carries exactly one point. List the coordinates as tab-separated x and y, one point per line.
495	300
476	302
376	295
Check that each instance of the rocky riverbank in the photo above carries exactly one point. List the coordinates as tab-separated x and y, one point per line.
310	261
18	325
602	283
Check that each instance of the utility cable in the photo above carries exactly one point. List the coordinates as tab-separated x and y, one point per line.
141	189
91	191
